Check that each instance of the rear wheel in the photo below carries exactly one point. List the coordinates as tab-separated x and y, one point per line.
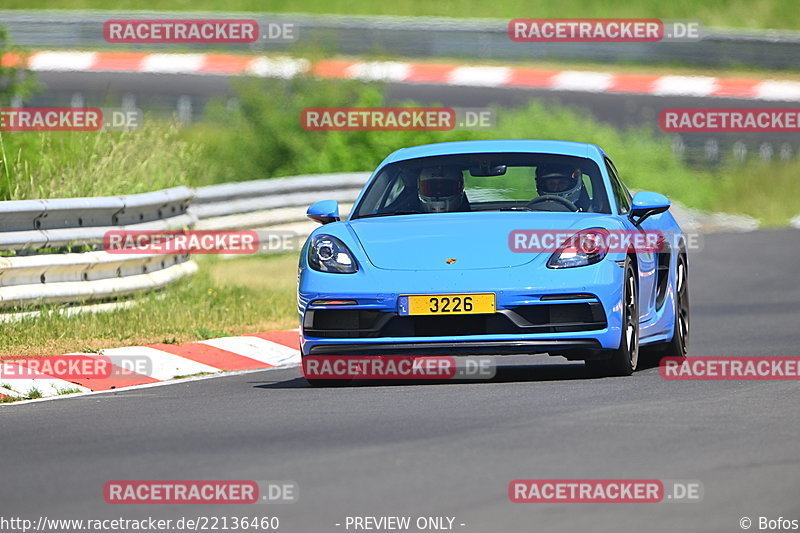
623	360
678	345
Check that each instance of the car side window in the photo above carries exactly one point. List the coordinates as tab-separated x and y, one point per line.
621	194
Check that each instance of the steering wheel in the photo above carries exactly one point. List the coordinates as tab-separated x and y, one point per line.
552	198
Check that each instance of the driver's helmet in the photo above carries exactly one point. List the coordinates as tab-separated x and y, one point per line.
559	180
440	189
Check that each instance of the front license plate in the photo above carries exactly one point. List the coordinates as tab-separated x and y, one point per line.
447	304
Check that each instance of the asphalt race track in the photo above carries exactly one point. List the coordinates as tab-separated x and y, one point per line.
450	449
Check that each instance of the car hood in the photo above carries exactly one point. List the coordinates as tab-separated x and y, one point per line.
474	240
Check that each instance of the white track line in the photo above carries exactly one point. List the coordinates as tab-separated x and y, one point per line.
173	63
257	348
778	90
62	61
48	386
480	76
162	365
684	86
572	80
379	71
146	385
277	67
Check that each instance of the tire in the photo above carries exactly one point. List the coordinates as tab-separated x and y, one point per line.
624	360
678	345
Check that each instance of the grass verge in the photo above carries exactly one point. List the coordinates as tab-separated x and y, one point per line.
71	164
263	137
769	192
226	297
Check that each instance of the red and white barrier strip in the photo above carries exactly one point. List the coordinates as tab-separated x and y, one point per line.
165	362
405	72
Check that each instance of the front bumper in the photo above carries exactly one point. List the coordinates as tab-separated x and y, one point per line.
459	347
539	311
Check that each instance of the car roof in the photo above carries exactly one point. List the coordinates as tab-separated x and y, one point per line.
498	146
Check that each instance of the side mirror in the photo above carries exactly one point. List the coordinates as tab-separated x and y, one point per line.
324	211
646	204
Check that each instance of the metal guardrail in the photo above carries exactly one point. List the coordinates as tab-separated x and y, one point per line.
31	228
37	224
271	202
420	37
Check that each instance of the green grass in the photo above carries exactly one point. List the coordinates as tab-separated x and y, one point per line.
264	138
68	390
266	134
195	375
34	393
733	13
70	164
769	192
227	297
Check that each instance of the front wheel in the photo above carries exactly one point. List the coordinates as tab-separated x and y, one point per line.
623	360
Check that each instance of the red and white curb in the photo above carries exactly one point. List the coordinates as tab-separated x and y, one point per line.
407	72
166	362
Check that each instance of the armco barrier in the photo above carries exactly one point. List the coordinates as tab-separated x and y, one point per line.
271	202
41	235
418	37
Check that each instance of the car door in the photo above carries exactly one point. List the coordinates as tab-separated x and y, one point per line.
647	261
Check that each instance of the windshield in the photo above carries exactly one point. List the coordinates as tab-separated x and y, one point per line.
486	182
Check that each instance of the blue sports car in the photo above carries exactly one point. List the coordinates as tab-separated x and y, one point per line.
480	247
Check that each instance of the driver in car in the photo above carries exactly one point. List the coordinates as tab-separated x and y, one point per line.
562	181
441	190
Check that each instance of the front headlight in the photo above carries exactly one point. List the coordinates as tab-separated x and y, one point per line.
328	254
586	247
